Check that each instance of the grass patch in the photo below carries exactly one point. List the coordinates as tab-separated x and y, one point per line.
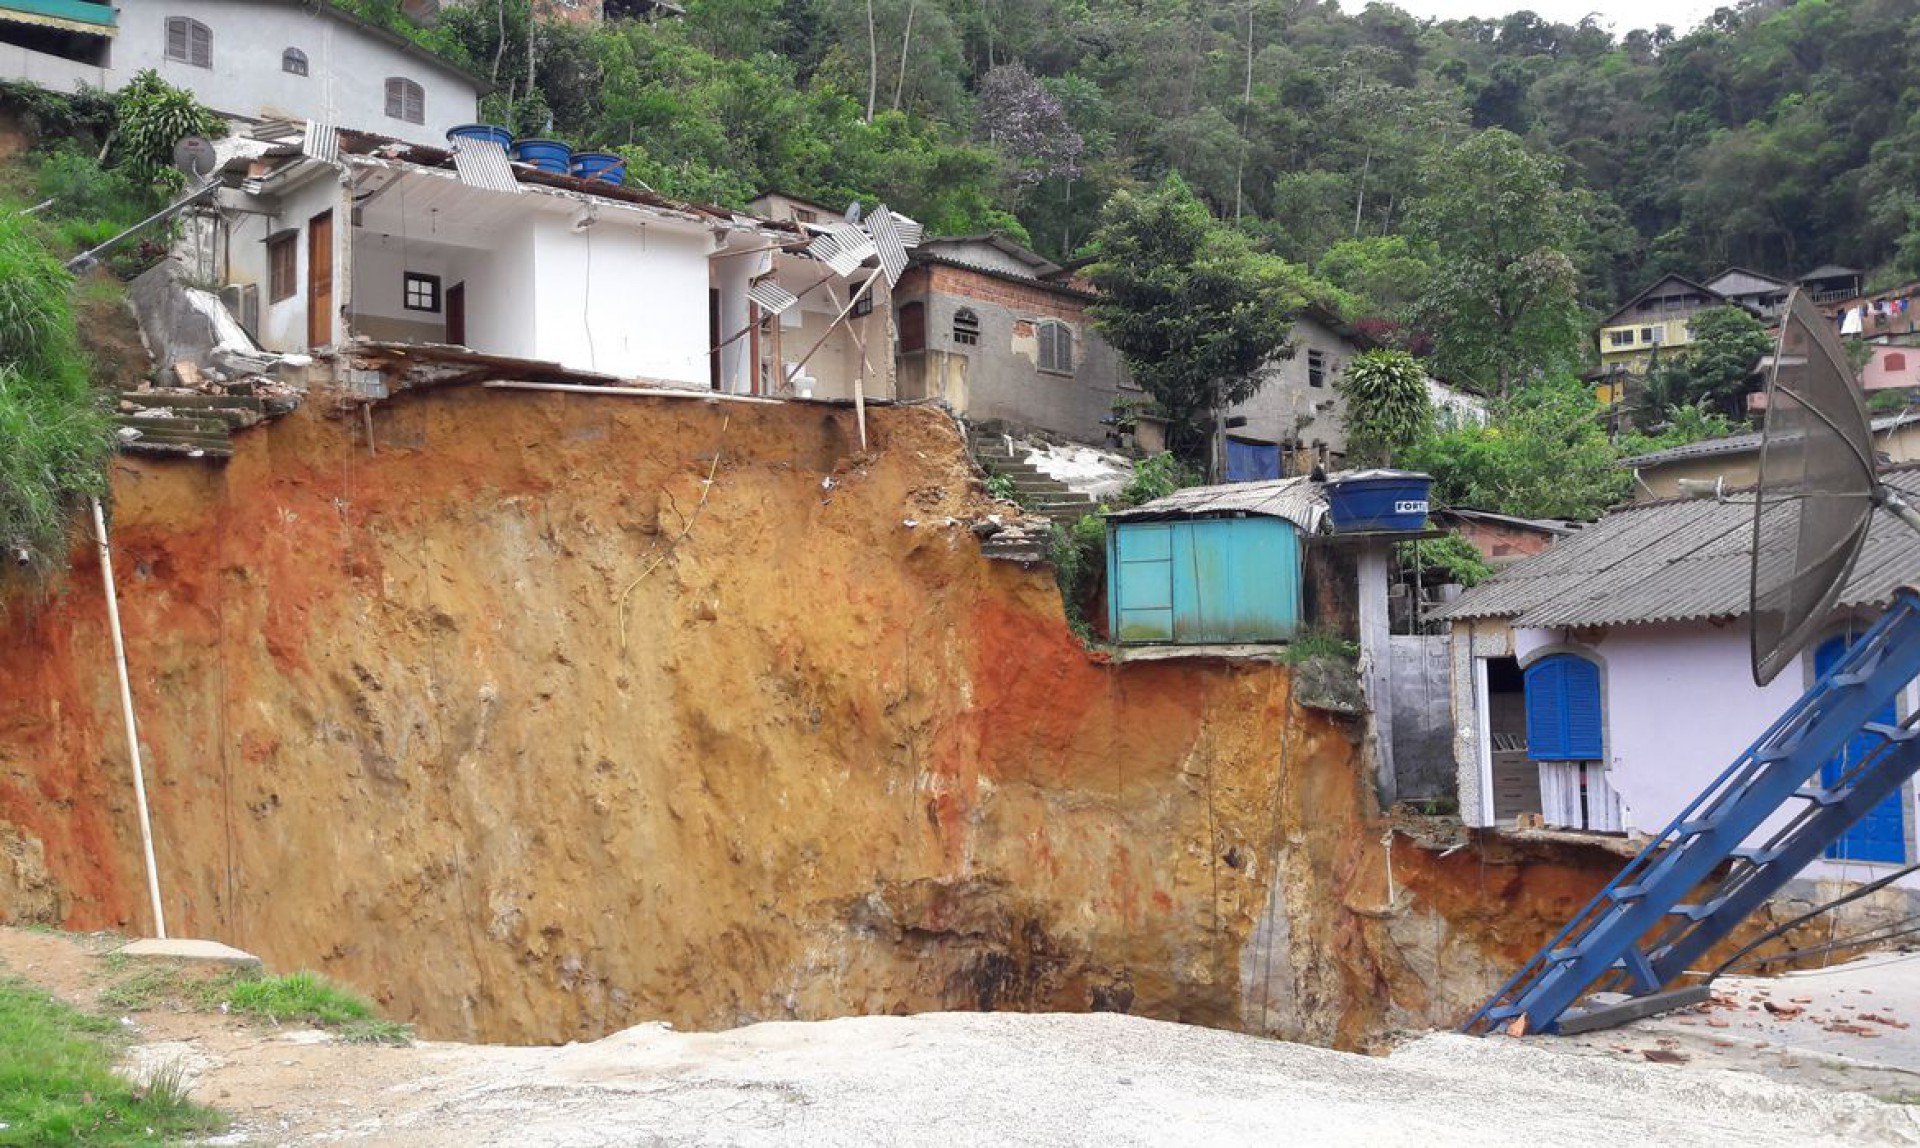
57	1084
1320	644
310	998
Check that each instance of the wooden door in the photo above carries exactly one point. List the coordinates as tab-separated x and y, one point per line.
457	314
320	280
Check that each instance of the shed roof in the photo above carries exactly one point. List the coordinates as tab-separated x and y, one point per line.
1300	501
1675	561
1542	525
1830	271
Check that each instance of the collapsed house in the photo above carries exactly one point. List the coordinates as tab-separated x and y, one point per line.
369	251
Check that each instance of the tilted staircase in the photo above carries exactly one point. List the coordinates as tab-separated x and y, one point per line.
1675	901
1044	496
194	424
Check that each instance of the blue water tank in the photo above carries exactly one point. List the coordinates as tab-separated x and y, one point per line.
546	155
1369	500
493	132
600	165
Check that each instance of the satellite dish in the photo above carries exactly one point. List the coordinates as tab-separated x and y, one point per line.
1817	488
194	155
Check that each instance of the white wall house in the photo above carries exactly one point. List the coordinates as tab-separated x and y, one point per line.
1645	611
250	60
404	249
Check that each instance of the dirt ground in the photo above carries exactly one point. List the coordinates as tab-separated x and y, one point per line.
958	1078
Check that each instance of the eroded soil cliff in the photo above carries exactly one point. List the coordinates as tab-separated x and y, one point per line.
516	723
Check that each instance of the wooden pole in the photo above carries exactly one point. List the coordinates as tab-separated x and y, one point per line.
818	343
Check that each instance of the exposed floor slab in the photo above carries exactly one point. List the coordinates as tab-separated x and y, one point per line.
186	949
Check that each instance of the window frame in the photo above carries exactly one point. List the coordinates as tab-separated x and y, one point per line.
283	257
295	56
966	327
1055	336
409	96
1316	368
196	42
1620	337
436	298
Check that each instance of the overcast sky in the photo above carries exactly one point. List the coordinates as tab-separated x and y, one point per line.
1622	15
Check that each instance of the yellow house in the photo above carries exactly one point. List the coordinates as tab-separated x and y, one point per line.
1654	321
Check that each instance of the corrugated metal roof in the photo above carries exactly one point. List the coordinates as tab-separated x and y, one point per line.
1739	444
1300	501
1671	562
73	15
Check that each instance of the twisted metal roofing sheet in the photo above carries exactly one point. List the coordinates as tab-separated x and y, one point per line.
1672	562
1300	501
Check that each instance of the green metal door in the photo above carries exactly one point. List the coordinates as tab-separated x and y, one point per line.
1141	562
1230	580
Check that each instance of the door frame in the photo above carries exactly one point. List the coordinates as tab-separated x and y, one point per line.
455	307
320	318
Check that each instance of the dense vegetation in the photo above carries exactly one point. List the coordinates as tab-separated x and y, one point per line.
1774	136
54	432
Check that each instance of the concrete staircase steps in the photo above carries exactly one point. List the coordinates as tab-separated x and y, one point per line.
1048	497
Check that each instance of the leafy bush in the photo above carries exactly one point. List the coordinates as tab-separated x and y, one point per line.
1000	486
1078	554
151	117
1157	477
1388	408
1450	558
54	433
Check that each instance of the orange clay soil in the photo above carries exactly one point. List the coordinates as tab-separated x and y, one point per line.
515	726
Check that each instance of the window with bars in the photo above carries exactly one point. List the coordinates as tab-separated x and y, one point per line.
1056	347
966	327
1316	368
293	62
422	292
283	265
406	100
189	41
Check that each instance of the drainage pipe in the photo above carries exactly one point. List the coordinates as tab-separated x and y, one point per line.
126	711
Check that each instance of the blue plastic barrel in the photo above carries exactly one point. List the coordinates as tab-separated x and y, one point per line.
547	155
601	165
1368	500
493	132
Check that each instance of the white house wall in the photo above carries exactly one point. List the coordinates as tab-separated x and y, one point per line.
283	325
1680	705
622	299
347	67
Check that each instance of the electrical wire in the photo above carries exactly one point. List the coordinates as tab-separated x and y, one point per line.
1778	930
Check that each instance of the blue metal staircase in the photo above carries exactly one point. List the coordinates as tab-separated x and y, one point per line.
1697	880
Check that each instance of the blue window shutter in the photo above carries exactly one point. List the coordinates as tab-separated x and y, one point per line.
1546	716
1564	719
1582	707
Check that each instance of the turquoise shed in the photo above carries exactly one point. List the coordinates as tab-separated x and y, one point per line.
1211	564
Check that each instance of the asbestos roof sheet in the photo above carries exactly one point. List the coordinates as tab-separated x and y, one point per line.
1300	501
1672	561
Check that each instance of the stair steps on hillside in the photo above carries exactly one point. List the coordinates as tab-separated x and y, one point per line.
181	423
1693	885
1048	497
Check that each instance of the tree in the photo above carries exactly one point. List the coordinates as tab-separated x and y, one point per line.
1543	454
1190	306
1503	304
1028	125
1388	408
1726	344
